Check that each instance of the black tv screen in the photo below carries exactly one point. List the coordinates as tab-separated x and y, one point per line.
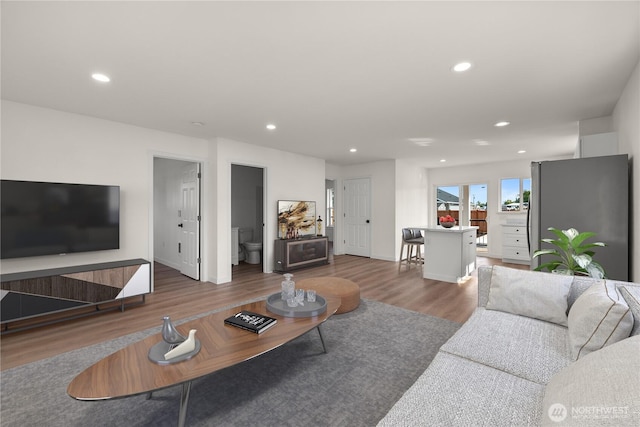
45	218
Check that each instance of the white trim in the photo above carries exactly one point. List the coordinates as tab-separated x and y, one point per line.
204	220
266	248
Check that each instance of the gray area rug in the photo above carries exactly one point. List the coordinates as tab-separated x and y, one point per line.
374	355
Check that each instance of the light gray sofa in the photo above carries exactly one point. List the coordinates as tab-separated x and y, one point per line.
507	367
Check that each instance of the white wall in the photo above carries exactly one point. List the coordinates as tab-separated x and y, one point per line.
626	121
49	145
412	202
288	177
382	176
595	125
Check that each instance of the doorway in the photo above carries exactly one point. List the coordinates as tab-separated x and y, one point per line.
176	215
468	205
247	216
478	214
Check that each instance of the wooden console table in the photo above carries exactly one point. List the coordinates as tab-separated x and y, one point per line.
31	294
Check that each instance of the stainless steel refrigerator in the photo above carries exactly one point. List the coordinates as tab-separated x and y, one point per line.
588	194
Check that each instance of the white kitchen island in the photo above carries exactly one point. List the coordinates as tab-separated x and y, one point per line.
449	253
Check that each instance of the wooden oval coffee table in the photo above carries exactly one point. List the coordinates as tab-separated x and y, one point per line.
129	371
347	290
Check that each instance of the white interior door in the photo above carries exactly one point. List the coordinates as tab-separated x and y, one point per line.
357	217
189	222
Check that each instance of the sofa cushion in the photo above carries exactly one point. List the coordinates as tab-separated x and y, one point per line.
529	293
599	317
600	389
579	285
522	346
457	392
631	295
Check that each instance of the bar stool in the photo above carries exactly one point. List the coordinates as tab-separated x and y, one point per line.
412	239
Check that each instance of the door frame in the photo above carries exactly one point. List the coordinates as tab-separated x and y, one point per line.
464	189
196	250
151	251
344	210
266	248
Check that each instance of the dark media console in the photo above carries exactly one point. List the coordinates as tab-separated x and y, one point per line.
297	253
35	293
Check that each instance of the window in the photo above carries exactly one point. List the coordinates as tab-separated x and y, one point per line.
330	207
448	201
514	194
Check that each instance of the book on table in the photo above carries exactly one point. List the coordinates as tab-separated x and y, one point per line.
254	322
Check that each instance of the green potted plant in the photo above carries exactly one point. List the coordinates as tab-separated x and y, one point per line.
574	256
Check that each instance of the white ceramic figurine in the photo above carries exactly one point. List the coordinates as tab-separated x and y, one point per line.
184	348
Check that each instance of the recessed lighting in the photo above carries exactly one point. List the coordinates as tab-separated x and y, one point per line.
271	126
353	150
443	160
480	142
522	151
103	78
197	124
422	142
461	67
502	124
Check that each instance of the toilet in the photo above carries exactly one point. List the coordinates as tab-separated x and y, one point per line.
251	249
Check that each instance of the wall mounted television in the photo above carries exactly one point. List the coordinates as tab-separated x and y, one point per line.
47	218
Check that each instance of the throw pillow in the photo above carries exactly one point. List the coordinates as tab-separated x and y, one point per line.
530	293
599	317
600	389
631	295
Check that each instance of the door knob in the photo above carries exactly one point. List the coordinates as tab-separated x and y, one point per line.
367	221
180	225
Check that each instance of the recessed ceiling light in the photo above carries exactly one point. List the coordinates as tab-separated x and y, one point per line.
353	150
461	66
481	142
197	124
502	124
443	160
103	78
422	142
522	151
271	126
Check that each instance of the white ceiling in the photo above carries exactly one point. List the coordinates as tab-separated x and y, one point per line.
332	75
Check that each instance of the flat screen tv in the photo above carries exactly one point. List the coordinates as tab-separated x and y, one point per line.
46	218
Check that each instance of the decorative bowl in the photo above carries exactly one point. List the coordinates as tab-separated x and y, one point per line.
447	224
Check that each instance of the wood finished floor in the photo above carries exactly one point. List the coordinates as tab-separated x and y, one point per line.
179	296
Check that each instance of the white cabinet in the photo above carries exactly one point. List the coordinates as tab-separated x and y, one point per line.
514	244
601	144
449	254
